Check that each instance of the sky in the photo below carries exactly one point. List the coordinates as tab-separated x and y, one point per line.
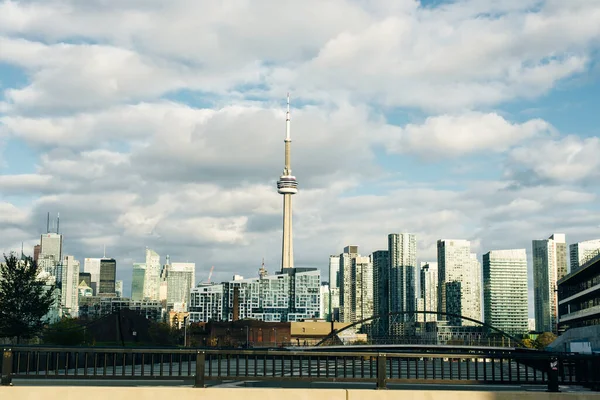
147	123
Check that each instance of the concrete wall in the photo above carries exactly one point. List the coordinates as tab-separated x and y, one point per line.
180	393
584	334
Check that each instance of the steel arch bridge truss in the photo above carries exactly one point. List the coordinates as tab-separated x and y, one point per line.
421	328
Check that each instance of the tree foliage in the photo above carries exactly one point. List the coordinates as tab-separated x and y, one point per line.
544	340
162	334
24	298
66	332
530	344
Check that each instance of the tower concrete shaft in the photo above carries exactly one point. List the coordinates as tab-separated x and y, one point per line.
287	186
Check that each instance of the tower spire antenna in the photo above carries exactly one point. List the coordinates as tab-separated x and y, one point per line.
287	120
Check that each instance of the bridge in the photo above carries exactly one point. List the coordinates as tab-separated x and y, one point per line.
383	329
209	367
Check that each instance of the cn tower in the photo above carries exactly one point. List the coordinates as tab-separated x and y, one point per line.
287	186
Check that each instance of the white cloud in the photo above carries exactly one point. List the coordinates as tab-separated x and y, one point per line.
458	56
23	183
570	159
456	135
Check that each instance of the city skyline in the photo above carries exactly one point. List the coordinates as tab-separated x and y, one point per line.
152	141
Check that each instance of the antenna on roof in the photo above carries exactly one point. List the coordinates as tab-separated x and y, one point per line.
57	221
48	223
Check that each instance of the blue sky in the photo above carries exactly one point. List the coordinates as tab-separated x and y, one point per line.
163	126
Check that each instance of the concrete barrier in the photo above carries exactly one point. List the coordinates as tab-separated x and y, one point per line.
184	393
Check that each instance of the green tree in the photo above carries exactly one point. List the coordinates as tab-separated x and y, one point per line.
530	344
24	298
163	335
66	332
544	340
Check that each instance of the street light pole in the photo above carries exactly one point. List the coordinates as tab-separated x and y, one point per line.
184	331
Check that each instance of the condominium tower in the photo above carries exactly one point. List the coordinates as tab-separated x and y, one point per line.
402	253
459	282
582	252
356	285
505	290
181	278
69	283
549	265
429	290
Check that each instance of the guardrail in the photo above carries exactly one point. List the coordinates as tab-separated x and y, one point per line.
202	366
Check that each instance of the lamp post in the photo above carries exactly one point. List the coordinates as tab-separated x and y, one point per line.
185	331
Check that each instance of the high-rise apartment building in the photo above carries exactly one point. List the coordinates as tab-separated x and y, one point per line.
356	285
381	285
206	303
429	291
505	290
293	295
119	288
362	276
459	282
549	265
92	267
582	252
325	310
181	278
402	252
69	284
108	276
334	271
346	283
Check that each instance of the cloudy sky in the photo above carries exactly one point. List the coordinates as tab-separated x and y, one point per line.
161	124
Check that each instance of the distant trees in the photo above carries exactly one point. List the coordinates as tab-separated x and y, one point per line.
24	298
66	332
544	340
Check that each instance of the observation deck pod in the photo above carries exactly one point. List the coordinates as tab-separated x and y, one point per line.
287	184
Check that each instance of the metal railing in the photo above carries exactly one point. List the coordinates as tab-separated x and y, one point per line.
201	366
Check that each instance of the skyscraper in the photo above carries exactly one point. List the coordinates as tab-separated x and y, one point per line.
381	284
362	276
69	284
505	290
549	265
138	276
119	288
346	283
582	251
152	277
287	186
51	245
92	267
356	285
459	282
402	249
50	256
108	276
334	271
181	278
429	290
